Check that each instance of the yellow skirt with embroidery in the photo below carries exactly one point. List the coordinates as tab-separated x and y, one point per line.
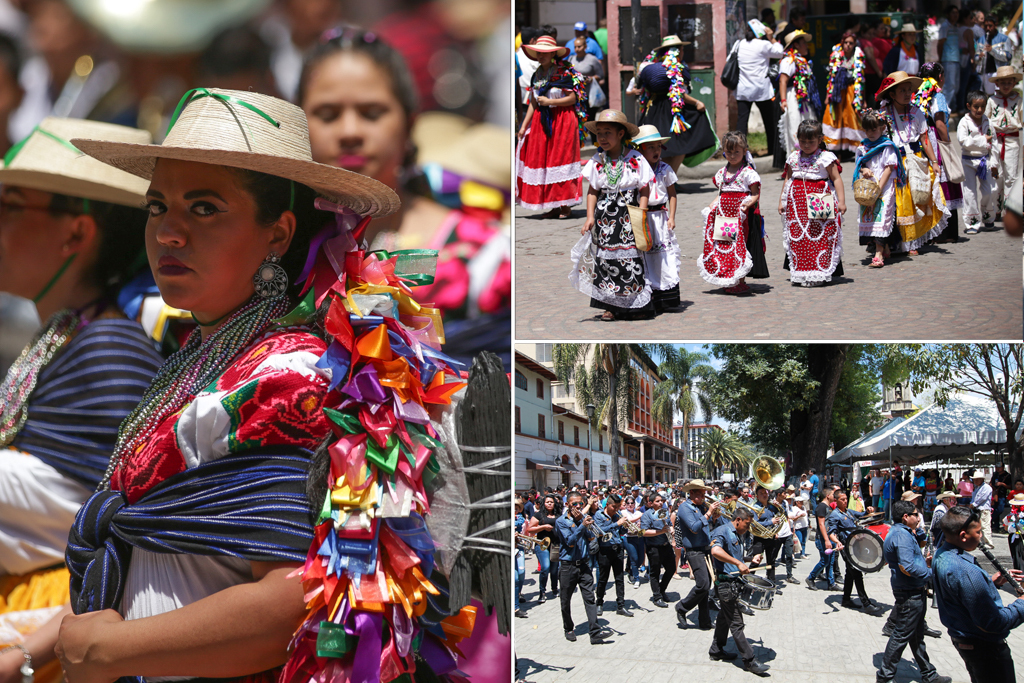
26	603
920	224
840	124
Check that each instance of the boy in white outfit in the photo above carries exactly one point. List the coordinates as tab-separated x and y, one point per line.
975	136
1004	115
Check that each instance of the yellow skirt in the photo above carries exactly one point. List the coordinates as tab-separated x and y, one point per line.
25	603
841	126
916	222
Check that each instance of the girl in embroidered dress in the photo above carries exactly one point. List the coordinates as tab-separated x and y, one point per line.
932	101
727	262
607	266
878	159
548	154
814	245
845	96
798	93
918	224
662	260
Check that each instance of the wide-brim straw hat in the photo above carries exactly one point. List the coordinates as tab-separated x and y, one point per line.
1006	72
1017	500
612	116
906	28
250	131
894	79
545	44
47	160
910	495
483	153
796	35
648	133
946	494
671	41
696	484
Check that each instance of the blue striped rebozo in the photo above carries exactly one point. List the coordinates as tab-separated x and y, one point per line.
83	395
251	505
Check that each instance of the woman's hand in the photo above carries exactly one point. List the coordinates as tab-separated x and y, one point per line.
782	105
588	225
10	666
700	106
521	133
77	646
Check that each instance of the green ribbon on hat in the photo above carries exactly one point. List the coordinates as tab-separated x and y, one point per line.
13	151
416	265
198	93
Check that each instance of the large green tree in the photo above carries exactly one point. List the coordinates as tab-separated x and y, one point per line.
784	393
682	391
721	449
993	371
855	411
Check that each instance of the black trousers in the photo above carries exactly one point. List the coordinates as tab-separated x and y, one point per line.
610	558
662	561
700	593
771	546
854	577
1017	553
907	629
787	553
986	662
730	618
572	574
767	109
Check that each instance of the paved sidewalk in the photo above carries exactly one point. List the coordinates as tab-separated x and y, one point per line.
967	290
805	638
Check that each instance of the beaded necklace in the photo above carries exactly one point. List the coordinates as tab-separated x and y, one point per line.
22	376
613	169
190	370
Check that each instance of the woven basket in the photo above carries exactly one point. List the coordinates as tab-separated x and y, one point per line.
866	191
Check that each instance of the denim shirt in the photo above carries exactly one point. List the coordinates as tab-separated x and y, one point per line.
695	530
573	539
969	603
649	521
841	523
724	536
603	522
902	552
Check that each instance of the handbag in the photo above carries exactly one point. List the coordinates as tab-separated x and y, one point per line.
821	206
641	229
918	178
866	191
731	73
951	160
727	229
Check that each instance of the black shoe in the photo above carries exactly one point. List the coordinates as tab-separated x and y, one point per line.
850	604
810	583
746	610
705	627
599	637
835	587
723	656
872	609
658	602
623	612
790	579
932	632
600	609
756	667
542	599
941	679
681	618
887	631
520	614
570	636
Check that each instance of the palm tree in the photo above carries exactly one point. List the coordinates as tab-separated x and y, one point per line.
722	449
609	383
683	392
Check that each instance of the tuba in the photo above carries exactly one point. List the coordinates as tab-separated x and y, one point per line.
768	472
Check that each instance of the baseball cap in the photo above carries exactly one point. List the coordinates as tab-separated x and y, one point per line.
580	26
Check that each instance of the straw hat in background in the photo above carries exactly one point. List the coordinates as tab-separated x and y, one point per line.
1006	72
47	160
250	131
434	131
648	133
797	34
671	41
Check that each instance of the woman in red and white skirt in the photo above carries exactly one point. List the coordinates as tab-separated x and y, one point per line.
548	155
727	263
814	246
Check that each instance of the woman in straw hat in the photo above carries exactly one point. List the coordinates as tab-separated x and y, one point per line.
666	103
70	237
844	99
548	154
607	266
202	519
909	132
799	99
903	56
360	101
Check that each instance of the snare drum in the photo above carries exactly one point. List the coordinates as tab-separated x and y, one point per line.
757	592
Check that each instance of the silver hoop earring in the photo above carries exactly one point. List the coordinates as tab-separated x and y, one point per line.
270	279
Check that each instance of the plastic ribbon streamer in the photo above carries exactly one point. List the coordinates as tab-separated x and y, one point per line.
840	78
375	601
679	75
803	83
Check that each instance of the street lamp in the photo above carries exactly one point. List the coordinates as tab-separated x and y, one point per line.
591	409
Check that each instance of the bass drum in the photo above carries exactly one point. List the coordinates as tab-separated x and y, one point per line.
757	592
863	550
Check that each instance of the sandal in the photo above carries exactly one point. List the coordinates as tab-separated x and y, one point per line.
738	289
877	262
608	316
912	252
565	213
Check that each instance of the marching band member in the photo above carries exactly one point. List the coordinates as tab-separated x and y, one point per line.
840	523
694	532
574	531
768	517
609	555
785	536
909	580
727	551
656	528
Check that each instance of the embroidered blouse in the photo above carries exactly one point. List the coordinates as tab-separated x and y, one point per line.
741	182
664	177
810	168
908	127
636	172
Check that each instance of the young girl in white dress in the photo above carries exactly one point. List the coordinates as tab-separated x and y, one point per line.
662	261
726	263
814	246
878	159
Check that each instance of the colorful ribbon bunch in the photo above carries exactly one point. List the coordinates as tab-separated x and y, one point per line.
925	95
368	572
679	76
803	82
835	64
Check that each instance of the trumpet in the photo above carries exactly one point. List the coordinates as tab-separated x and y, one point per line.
527	542
756	528
578	516
631	528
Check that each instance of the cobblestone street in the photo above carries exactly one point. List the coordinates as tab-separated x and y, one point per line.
967	290
806	637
